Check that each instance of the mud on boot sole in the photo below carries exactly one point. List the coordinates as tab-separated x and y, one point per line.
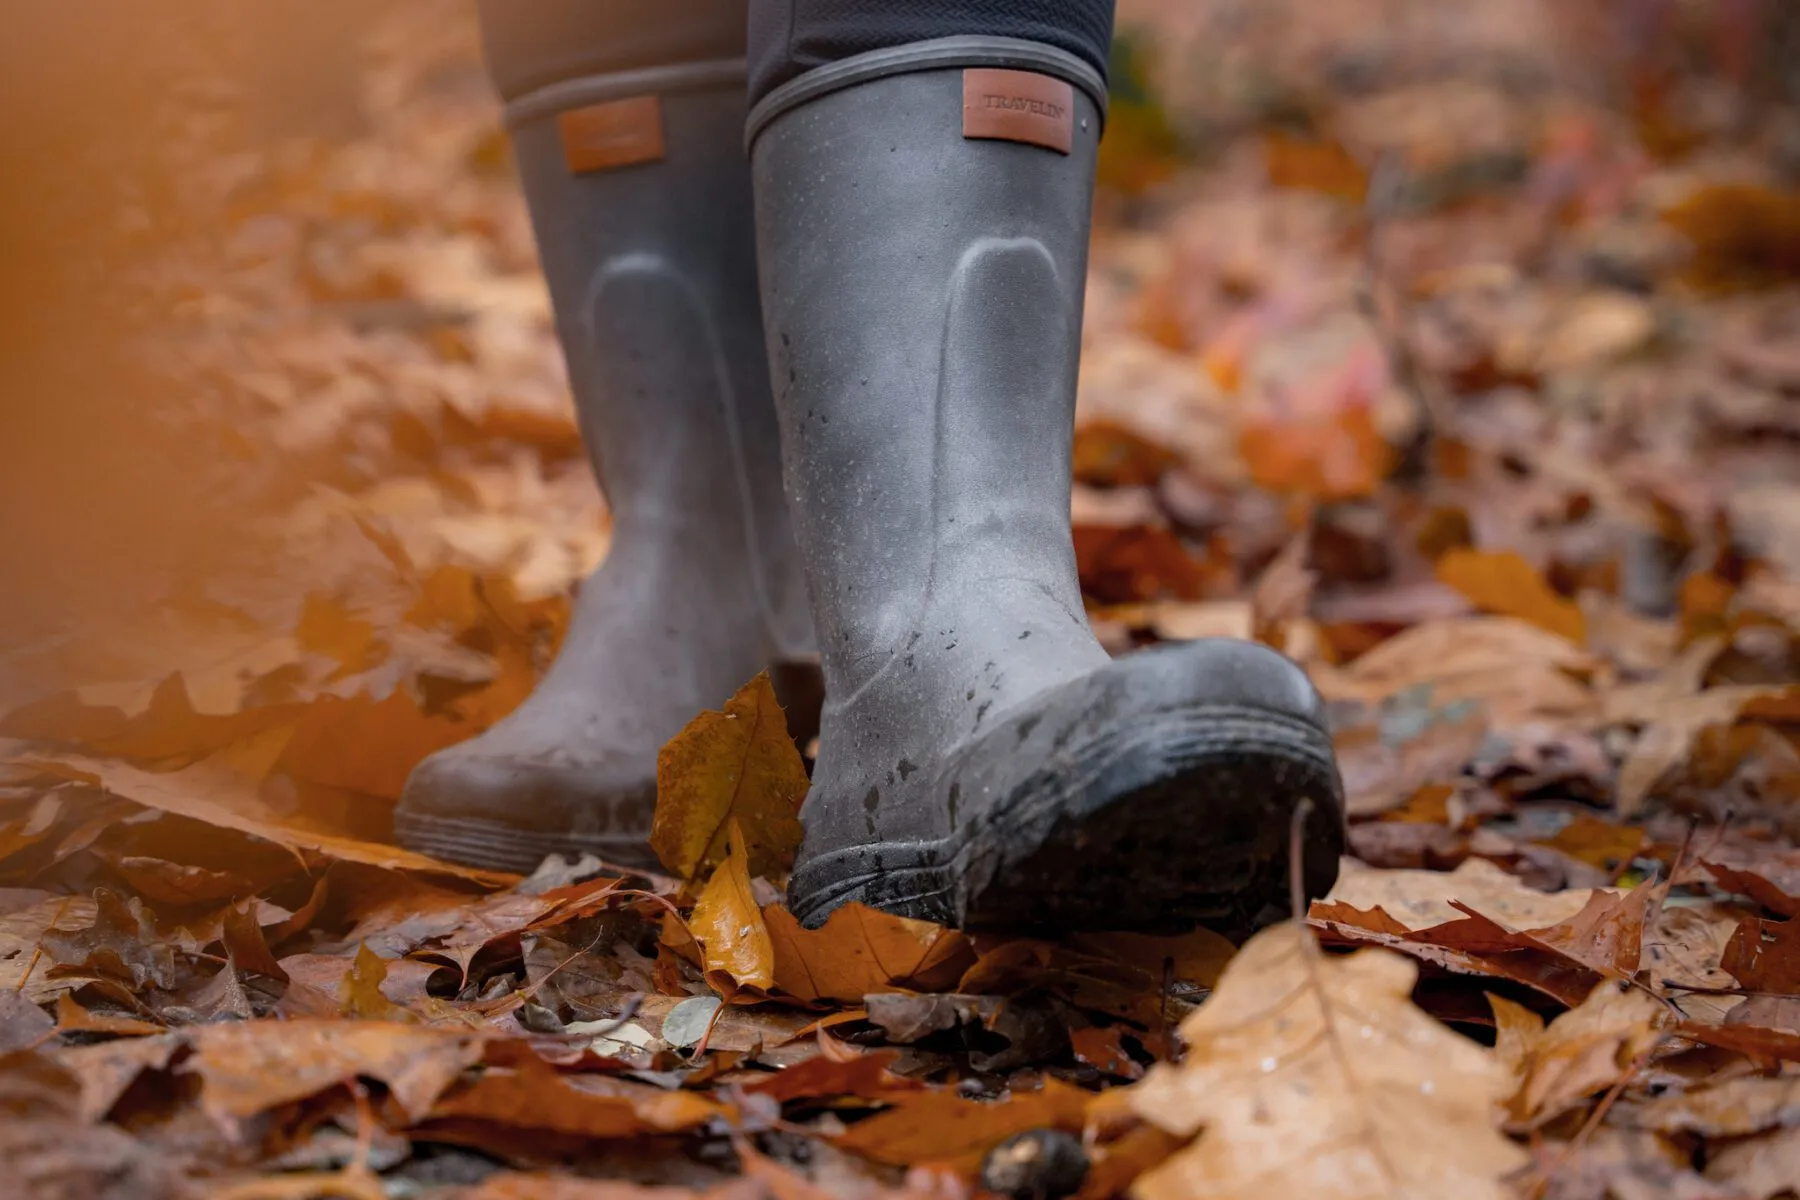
1180	819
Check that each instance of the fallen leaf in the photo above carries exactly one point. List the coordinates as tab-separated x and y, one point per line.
1757	1168
1583	1051
1422	899
1316	1076
860	950
865	1076
1109	455
249	1067
360	995
737	949
1729	1108
738	764
217	795
1764	956
943	1129
1505	584
1670	738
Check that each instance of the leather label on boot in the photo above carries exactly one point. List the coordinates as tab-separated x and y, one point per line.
1018	106
617	133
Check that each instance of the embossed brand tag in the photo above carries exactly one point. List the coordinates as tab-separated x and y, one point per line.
615	134
1018	106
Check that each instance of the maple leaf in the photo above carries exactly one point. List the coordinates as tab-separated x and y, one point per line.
738	764
1316	1076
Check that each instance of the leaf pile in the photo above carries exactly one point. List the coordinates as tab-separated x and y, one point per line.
1461	374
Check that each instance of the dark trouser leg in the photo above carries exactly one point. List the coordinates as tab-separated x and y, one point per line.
628	132
922	221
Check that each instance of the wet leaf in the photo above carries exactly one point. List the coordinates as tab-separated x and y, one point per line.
737	949
1317	1076
735	765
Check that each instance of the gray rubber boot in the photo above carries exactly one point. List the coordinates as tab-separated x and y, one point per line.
983	762
641	205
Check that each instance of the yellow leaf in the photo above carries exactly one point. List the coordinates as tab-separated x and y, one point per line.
736	948
360	994
739	765
1506	584
1317	1076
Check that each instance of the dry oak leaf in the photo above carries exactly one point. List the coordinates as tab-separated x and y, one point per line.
1502	582
736	948
736	764
861	950
1513	669
249	1067
1421	899
1585	1050
1670	737
1316	1076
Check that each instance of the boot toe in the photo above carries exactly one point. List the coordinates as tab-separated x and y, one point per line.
1157	792
507	812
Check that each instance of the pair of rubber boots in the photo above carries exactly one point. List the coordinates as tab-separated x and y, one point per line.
921	226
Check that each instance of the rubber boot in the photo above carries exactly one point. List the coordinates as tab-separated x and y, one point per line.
640	198
922	223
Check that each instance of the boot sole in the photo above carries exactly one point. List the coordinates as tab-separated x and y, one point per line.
1181	819
498	847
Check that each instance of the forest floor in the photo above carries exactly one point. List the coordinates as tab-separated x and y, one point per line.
1462	369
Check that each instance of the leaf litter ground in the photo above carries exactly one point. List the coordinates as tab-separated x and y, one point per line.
1458	368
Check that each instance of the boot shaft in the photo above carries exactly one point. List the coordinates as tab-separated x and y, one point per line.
922	219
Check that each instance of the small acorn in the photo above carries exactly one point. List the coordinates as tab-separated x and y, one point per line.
1039	1164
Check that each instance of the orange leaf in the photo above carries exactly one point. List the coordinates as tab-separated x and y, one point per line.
737	765
737	949
1502	582
941	1127
1337	457
861	950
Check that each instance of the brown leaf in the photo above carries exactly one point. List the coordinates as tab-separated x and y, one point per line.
866	1075
738	764
1316	1076
1772	881
1109	455
1728	1108
122	944
1102	1050
940	1128
1505	584
522	1092
1743	234
1670	738
1421	899
737	950
72	1018
860	950
1583	1051
1764	956
1757	1168
249	1067
1123	564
